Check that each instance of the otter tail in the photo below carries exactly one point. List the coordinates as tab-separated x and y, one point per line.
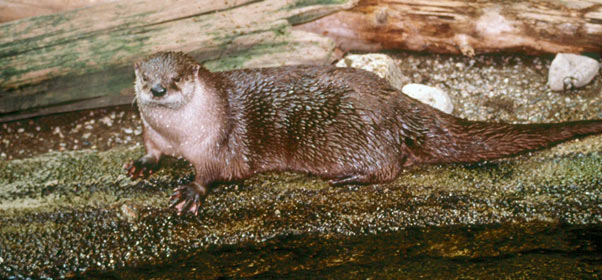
466	141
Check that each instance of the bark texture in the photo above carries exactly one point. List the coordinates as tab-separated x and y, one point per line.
467	27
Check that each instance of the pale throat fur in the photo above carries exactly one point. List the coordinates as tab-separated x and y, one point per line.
169	120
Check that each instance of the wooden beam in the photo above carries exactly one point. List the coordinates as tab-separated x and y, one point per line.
87	53
467	27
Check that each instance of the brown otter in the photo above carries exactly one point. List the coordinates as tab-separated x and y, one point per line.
343	124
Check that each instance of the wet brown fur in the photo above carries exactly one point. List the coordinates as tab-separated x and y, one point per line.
342	124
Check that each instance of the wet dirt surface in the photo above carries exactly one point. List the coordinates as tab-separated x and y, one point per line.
99	129
72	212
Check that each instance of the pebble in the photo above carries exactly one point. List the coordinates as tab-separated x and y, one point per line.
108	121
569	71
57	130
130	213
430	95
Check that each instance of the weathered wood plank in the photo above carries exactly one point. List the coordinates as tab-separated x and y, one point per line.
16	9
80	58
467	27
113	86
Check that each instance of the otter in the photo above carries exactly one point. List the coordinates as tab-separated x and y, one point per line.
345	125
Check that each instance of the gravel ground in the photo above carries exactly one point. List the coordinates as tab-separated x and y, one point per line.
99	129
507	88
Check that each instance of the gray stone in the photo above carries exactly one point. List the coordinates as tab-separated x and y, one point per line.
379	64
570	71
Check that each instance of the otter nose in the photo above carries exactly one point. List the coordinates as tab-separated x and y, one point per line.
158	90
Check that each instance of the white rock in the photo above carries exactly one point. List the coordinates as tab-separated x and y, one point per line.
379	64
571	71
429	95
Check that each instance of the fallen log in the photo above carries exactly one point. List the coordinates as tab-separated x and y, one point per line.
82	58
467	27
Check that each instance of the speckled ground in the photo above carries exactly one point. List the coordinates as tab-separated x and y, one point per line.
73	213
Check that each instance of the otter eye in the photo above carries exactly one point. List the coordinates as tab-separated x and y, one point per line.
177	79
144	78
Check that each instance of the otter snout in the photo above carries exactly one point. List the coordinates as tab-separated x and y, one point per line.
158	90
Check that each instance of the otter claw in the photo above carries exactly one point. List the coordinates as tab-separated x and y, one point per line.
186	198
140	168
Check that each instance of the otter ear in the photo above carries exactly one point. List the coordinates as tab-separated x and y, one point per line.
195	71
196	68
137	69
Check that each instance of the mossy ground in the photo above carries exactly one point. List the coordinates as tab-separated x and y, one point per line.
80	208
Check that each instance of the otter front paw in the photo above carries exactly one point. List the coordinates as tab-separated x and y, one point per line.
188	198
142	167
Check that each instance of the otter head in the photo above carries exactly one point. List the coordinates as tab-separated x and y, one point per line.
166	79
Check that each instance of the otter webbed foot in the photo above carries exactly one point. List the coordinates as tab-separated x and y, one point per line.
142	167
188	198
